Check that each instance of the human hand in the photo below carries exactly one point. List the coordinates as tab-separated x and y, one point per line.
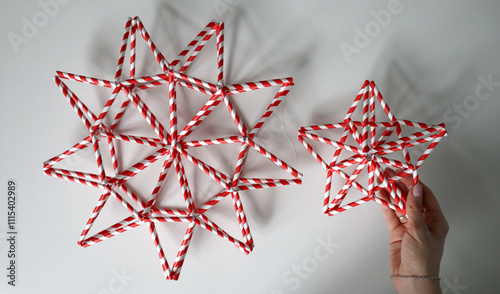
417	242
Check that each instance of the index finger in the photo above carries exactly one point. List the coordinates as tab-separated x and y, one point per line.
430	203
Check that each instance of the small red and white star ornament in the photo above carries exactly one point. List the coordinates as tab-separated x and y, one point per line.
375	145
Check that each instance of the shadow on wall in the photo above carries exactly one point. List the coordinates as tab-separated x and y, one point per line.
425	93
172	22
463	168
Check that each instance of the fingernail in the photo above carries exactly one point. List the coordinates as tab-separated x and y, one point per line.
417	190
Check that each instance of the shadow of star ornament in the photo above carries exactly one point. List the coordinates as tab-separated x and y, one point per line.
172	146
375	145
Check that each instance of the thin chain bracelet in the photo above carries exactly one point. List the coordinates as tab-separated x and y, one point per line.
416	277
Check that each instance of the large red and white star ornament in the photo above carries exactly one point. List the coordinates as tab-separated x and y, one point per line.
369	145
171	145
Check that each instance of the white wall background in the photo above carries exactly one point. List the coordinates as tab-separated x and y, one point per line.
427	59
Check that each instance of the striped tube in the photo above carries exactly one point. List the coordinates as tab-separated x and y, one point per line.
430	148
361	94
336	155
420	125
78	146
331	142
393	189
159	57
97	153
120	227
87	80
132	48
148	115
200	116
356	158
217	141
166	219
159	184
181	175
193	43
309	148
208	86
343	191
246	87
417	136
239	164
353	130
345	176
172	109
95	213
216	175
200	41
107	106
146	82
76	174
239	123
265	183
159	249
381	100
169	211
220	53
334	211
125	203
141	165
328	191
371	119
119	115
282	92
195	87
393	162
205	223
132	195
211	202
98	123
364	140
123	49
80	108
371	178
242	219
65	176
387	204
181	254
134	139
275	159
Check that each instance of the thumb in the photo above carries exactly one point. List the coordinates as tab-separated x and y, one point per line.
414	205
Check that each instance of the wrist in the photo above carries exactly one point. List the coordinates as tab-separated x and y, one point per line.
418	286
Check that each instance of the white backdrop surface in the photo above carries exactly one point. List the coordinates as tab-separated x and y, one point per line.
434	61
